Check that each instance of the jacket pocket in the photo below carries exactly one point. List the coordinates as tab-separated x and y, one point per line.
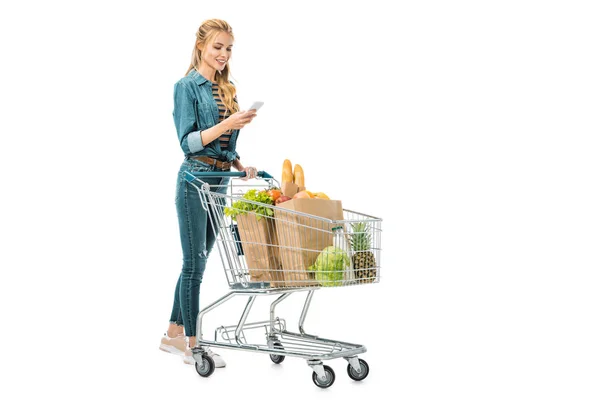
204	116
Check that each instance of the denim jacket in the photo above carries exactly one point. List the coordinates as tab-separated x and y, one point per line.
195	110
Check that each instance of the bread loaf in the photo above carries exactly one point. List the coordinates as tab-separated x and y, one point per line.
286	175
298	175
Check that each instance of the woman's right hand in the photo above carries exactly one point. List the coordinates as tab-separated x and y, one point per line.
239	119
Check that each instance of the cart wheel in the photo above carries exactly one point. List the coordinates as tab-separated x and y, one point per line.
277	359
329	378
207	367
364	370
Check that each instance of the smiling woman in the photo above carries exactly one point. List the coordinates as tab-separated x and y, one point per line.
218	46
211	55
208	121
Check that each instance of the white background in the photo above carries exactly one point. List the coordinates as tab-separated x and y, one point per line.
470	127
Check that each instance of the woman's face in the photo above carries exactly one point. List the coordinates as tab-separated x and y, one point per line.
218	53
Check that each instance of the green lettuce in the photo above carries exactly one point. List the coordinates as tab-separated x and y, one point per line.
243	207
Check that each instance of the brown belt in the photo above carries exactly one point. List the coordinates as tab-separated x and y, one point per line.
212	161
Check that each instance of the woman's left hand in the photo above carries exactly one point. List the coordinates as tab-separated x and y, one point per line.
250	173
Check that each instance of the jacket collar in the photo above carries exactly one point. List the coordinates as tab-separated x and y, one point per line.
198	78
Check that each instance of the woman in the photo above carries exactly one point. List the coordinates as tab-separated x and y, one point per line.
208	122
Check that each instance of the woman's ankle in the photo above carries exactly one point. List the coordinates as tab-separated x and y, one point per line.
191	341
174	330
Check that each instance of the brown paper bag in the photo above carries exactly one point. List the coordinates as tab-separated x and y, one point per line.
259	241
289	189
302	238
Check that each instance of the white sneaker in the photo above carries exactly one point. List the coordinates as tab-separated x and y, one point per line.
188	358
176	345
219	362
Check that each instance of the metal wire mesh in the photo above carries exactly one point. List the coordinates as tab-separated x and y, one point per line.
268	246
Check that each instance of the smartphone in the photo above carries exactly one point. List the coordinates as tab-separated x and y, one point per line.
256	105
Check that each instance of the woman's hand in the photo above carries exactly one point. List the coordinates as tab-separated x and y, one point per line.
250	173
239	119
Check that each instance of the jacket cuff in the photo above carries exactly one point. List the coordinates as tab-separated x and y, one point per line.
194	142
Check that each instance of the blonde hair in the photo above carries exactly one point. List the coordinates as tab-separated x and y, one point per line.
206	34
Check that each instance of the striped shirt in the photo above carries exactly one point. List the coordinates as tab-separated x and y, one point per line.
224	138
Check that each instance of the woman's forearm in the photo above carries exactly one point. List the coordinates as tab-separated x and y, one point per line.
238	165
210	134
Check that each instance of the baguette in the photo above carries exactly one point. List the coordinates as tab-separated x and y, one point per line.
287	175
299	175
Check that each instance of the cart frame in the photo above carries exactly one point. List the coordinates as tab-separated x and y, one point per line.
280	342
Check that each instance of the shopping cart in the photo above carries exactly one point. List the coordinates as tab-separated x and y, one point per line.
270	250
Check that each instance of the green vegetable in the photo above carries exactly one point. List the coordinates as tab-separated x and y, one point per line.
243	206
330	265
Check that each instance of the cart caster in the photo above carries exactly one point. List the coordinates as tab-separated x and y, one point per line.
207	367
329	378
364	371
277	359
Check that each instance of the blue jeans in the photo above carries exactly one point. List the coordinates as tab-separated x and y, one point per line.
197	240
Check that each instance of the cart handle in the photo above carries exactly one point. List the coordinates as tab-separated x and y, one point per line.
191	176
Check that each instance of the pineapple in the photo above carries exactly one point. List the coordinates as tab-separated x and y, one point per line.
365	266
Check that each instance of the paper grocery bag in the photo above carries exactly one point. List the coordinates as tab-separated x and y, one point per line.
289	189
302	238
259	241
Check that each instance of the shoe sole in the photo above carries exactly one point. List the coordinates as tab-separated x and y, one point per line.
191	361
170	349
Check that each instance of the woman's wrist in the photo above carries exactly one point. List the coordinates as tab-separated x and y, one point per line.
226	124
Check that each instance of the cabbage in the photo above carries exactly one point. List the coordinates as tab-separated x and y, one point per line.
330	265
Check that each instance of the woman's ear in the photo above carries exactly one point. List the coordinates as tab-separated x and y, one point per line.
198	46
